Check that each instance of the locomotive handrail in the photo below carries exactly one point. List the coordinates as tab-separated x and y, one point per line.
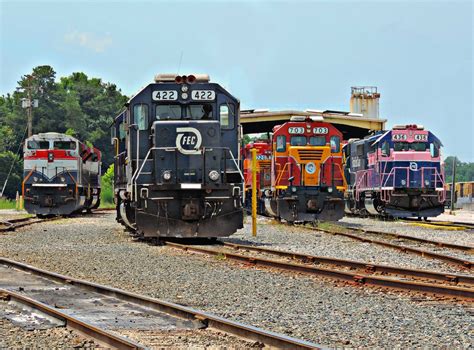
407	169
138	171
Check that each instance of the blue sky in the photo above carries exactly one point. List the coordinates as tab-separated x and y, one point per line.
274	55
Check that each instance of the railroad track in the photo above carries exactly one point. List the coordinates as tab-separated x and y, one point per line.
13	224
454	285
463	263
448	224
416	239
95	310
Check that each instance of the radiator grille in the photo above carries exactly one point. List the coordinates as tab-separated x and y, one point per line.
265	164
310	154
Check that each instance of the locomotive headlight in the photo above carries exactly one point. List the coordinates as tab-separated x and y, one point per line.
166	175
427	182
330	189
63	179
214	175
35	178
310	168
293	189
403	182
184	88
184	95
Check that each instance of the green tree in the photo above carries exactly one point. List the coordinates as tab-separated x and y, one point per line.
464	171
10	160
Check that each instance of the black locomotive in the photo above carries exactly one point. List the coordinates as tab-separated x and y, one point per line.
177	163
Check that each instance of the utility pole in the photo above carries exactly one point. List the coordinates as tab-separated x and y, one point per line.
29	104
453	186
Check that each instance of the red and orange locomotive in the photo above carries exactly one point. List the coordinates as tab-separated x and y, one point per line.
306	176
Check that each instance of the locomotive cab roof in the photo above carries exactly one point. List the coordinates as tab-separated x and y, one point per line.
174	78
303	118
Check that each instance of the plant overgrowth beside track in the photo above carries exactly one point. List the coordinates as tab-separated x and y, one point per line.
7	204
107	194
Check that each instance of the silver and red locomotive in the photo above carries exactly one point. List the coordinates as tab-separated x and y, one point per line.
177	163
61	175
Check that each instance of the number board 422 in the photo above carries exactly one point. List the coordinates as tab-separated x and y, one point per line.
203	95
164	95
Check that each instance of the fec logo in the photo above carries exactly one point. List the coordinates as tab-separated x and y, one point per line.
413	166
188	140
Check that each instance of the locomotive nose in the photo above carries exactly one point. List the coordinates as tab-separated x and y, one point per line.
186	151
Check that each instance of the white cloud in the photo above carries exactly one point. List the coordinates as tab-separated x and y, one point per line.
89	40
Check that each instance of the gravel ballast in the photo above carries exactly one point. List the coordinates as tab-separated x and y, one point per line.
13	336
96	249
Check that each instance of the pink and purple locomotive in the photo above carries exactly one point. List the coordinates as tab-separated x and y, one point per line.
395	173
61	175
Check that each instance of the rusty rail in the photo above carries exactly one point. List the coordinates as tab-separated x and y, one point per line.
361	279
413	238
13	224
368	267
460	262
211	321
101	336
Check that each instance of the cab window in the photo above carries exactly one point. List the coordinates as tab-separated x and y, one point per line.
298	140
434	150
317	140
35	144
68	145
385	149
140	113
335	143
281	143
226	115
121	131
199	111
167	112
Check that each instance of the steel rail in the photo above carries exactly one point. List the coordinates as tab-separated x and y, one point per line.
425	253
209	320
338	274
465	225
413	238
13	224
101	336
368	267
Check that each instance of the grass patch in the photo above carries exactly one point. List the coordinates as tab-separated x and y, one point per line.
7	204
220	256
329	226
106	205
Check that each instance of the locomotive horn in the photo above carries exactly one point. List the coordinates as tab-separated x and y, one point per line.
178	79
191	79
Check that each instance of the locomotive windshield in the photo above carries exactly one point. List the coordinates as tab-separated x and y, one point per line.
36	144
298	140
191	111
68	145
166	112
413	146
317	141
